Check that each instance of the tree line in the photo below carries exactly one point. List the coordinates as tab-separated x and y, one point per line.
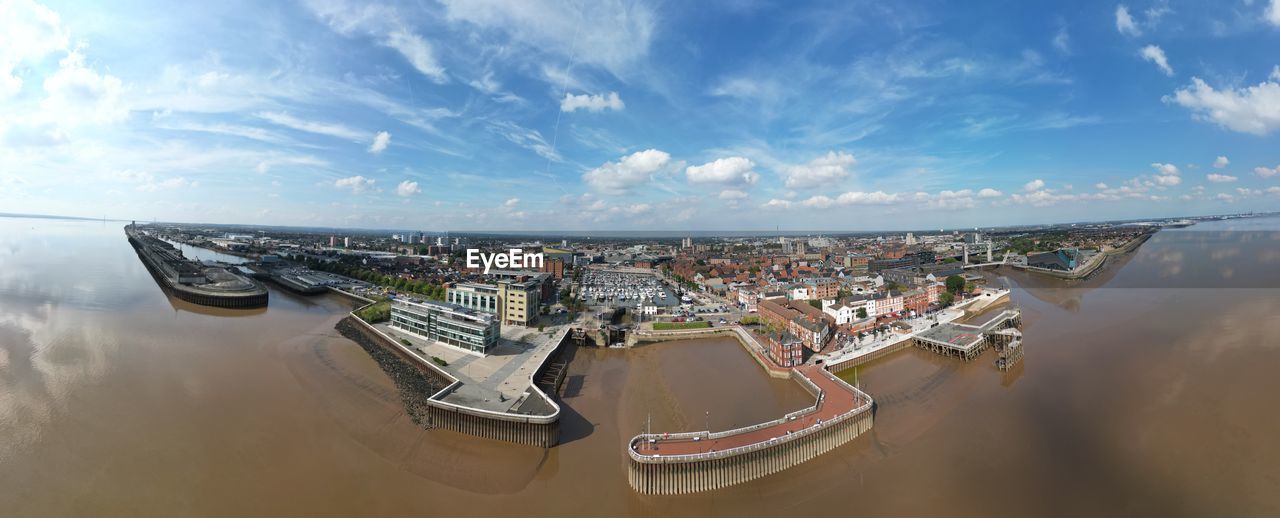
426	289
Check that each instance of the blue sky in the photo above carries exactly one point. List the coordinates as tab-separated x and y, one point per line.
543	115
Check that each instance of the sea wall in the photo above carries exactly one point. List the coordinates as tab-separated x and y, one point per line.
1096	262
867	358
743	337
682	474
423	399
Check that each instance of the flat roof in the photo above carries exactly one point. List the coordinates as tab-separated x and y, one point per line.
961	337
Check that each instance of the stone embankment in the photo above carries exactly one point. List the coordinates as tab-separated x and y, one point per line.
414	383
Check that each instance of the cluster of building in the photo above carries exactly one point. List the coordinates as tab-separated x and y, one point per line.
819	293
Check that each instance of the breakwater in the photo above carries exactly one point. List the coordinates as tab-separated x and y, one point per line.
689	462
191	281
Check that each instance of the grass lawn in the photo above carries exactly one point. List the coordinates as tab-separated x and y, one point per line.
668	326
378	312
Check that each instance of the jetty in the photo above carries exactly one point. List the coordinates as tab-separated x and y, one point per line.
679	463
199	283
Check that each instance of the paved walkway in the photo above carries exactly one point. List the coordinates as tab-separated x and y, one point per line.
493	382
837	400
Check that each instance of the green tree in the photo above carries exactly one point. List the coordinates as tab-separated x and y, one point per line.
946	298
862	313
955	284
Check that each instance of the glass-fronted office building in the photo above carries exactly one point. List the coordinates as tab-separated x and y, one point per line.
451	324
484	297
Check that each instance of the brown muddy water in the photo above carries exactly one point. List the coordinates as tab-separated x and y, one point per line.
1146	390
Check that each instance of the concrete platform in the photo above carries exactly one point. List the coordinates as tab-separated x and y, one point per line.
498	381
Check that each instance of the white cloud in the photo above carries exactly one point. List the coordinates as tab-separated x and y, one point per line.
385	25
1062	40
732	194
1220	178
1266	172
1272	14
989	193
628	172
866	198
511	203
1156	55
1253	109
320	128
592	103
380	142
611	35
526	138
78	95
734	171
1221	162
28	32
357	184
1100	186
407	188
419	53
1033	185
1166	169
818	202
152	185
1167	175
1125	23
822	171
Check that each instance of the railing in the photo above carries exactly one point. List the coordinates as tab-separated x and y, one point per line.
768	443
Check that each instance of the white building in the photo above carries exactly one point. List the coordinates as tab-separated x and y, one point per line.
846	311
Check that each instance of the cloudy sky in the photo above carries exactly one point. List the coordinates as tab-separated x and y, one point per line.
541	115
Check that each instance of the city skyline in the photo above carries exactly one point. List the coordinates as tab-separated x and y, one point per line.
475	116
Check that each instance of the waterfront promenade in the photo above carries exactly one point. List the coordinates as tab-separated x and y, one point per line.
689	462
499	399
835	399
871	349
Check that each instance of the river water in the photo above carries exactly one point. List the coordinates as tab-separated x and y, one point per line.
1146	390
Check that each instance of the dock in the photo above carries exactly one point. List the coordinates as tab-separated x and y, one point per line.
199	283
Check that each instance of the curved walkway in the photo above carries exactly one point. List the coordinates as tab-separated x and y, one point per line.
836	399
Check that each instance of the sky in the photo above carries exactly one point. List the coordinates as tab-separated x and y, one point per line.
639	115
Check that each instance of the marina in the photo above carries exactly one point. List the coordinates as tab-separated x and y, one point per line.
614	288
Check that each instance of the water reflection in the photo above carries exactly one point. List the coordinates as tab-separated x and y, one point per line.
114	401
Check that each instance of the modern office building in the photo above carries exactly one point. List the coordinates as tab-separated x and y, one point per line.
474	295
520	301
513	301
450	324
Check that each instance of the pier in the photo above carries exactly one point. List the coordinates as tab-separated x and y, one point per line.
966	341
680	463
193	281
